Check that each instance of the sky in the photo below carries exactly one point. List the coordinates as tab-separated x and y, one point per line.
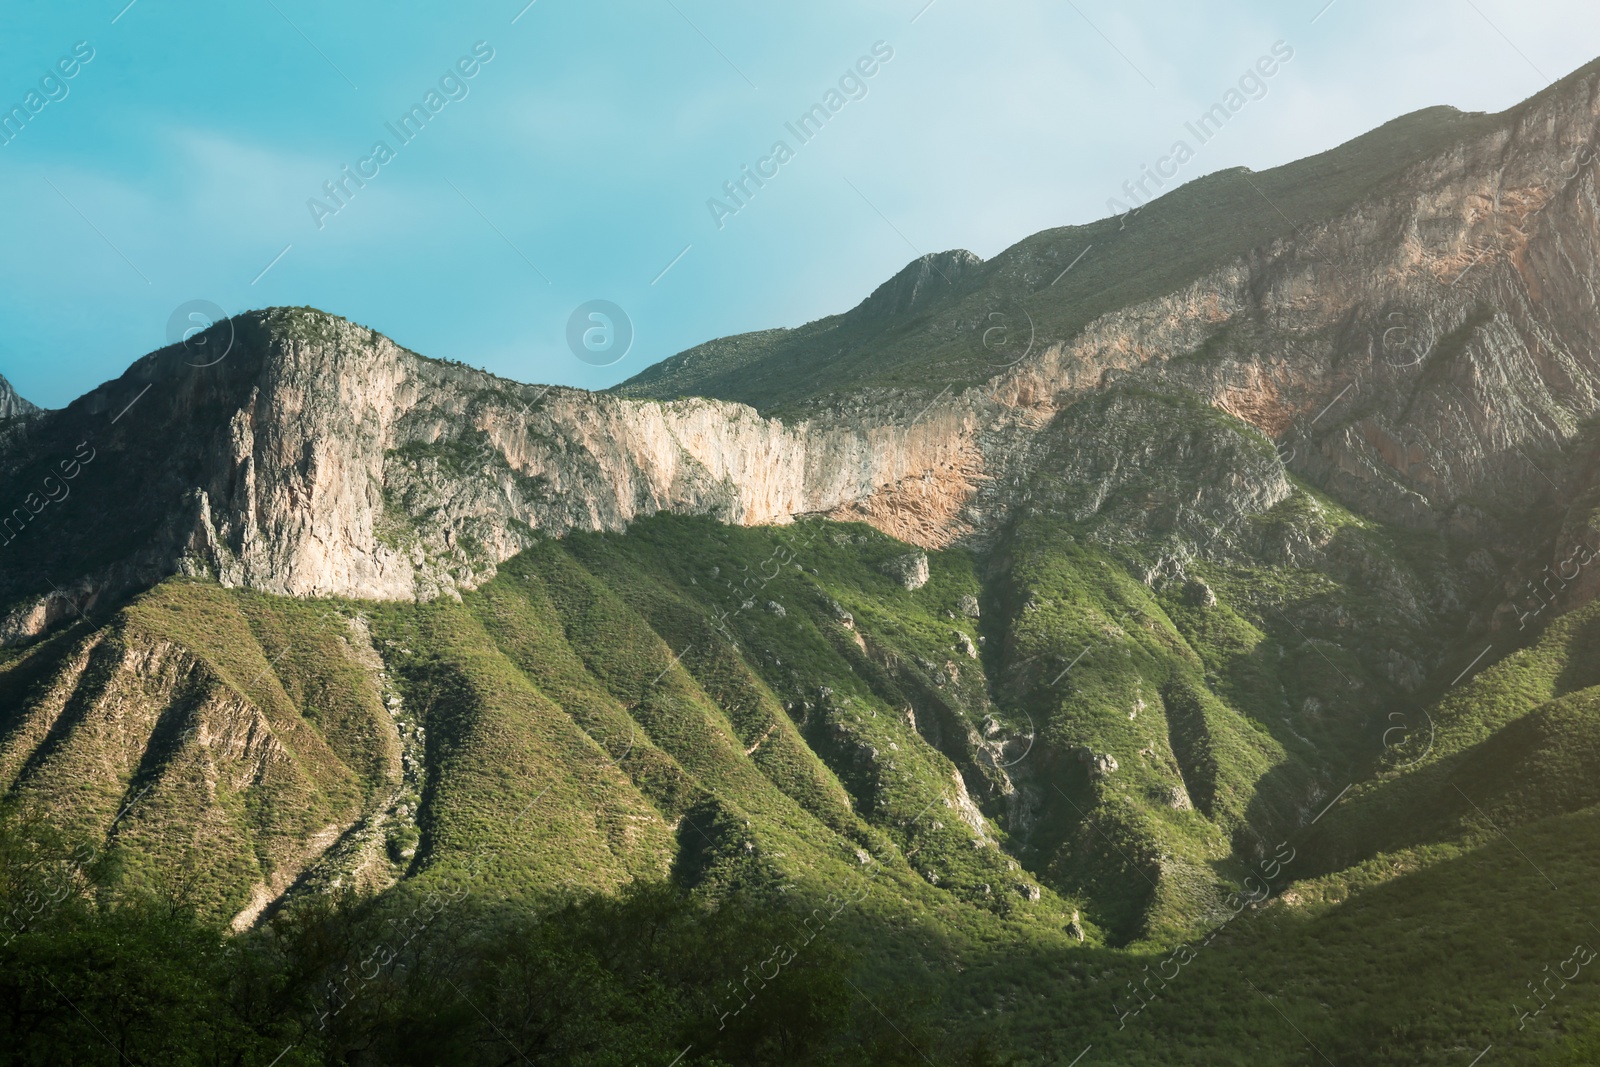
575	153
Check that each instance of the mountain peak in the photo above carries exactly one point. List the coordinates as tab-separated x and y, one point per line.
920	284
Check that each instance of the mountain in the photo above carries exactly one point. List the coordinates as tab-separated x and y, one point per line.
990	635
1060	280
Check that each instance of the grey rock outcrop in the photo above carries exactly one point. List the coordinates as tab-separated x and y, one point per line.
911	570
12	405
1099	766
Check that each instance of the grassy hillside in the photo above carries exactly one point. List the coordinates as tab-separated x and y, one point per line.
1085	789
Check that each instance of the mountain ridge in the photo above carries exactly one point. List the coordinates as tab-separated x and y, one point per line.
1409	135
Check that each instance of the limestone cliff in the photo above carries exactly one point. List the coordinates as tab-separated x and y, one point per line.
319	458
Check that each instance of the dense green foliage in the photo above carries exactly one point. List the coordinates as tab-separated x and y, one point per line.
428	980
585	812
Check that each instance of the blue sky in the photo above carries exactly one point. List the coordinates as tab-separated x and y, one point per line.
577	163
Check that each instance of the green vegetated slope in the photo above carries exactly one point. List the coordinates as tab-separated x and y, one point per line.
1512	743
1440	908
1456	912
1427	957
719	681
206	741
604	712
1170	599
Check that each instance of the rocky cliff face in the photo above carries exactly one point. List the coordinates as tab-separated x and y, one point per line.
12	405
319	458
359	469
1426	355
